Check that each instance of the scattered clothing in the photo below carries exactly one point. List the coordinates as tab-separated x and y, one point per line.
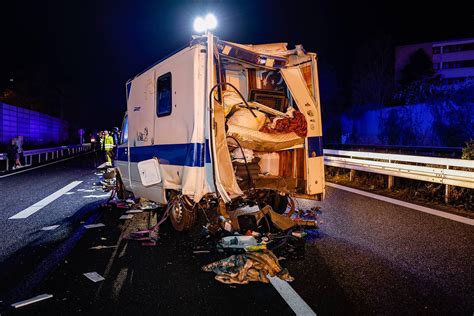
248	267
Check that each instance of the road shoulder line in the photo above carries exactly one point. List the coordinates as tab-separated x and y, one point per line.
420	208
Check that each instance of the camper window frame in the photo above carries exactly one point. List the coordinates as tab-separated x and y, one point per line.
170	110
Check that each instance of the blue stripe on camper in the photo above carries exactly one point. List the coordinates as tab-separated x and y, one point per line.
190	155
315	146
208	152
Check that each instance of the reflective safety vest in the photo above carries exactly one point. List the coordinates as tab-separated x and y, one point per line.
108	143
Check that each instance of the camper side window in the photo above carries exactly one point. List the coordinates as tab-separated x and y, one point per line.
163	95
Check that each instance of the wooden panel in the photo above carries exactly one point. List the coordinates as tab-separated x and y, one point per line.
252	79
292	163
286	163
306	70
299	163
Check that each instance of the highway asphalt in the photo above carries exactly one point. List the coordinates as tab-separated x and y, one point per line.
370	257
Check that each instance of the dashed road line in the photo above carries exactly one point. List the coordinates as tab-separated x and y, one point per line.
50	198
420	208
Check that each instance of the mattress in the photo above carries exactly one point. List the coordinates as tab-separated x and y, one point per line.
261	141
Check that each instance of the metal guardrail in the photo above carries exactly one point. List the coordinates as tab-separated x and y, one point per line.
452	152
448	171
36	156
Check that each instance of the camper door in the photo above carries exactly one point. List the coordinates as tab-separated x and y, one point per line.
310	107
141	115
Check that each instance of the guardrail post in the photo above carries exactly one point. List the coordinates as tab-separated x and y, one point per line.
447	191
391	180
352	175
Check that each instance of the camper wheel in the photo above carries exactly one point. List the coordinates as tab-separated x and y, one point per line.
119	187
182	211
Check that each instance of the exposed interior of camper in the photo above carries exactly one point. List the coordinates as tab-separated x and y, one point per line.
259	124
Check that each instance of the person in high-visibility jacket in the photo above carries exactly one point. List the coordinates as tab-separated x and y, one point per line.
108	146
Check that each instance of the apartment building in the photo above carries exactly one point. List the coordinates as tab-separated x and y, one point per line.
452	59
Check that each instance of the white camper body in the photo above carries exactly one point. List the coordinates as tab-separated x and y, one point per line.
177	140
175	135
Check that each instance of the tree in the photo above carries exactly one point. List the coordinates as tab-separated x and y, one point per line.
419	67
372	75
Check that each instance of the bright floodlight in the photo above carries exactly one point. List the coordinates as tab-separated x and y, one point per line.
211	21
201	25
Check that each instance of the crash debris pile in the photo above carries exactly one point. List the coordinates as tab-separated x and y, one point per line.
107	178
148	236
248	267
253	239
247	237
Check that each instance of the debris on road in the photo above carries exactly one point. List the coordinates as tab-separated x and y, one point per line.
134	211
249	233
238	242
248	267
201	251
102	247
94	225
85	190
299	234
94	276
32	300
147	205
52	227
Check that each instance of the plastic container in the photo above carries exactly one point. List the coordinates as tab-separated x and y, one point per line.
270	163
238	241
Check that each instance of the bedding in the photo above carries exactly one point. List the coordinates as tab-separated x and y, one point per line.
260	141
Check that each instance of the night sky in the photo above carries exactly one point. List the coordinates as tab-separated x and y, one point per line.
92	47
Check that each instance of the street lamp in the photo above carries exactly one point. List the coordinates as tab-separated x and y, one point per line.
202	25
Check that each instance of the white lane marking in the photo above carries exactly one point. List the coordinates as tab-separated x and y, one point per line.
290	296
50	198
424	209
32	300
53	227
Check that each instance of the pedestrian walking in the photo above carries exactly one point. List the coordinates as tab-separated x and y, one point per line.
19	143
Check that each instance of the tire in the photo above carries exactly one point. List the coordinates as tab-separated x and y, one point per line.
119	187
279	203
183	213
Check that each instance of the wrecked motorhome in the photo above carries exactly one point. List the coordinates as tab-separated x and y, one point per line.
225	123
